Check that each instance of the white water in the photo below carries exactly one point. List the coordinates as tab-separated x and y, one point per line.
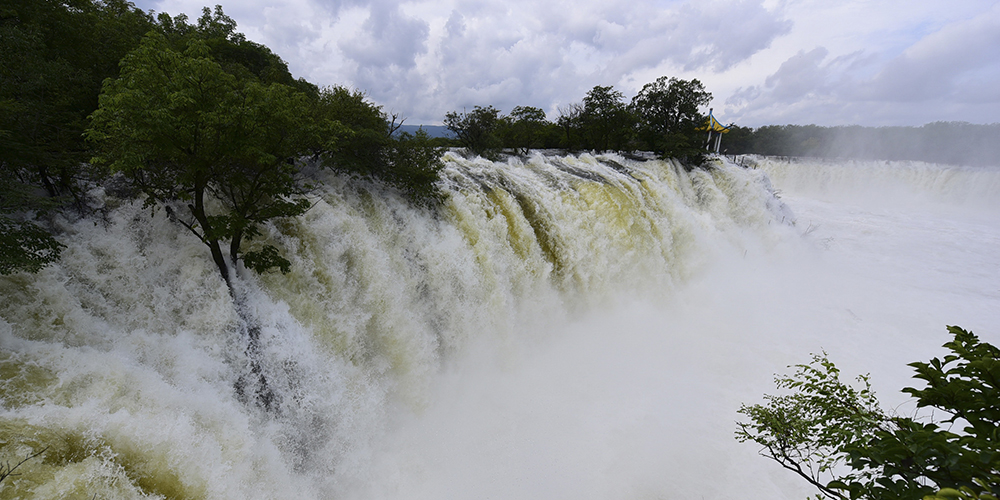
560	330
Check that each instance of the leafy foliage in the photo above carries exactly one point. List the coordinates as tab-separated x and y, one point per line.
838	439
807	431
25	246
668	117
606	121
55	56
524	129
415	165
570	121
477	130
663	118
237	55
355	131
357	137
602	122
183	129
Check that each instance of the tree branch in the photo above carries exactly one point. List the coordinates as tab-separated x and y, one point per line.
6	470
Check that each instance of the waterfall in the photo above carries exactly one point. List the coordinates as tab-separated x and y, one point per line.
917	183
561	326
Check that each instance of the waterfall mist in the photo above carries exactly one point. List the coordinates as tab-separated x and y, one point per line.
564	327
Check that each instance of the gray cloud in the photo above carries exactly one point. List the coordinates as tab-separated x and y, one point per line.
800	76
728	33
946	74
387	38
892	62
951	61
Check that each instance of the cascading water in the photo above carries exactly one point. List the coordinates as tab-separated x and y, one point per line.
563	327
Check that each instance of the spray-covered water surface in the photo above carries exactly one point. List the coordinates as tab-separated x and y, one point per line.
563	327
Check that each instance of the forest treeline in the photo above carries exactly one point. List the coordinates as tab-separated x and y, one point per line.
584	127
955	143
663	118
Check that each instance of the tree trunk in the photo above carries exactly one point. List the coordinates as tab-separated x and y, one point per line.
234	246
208	234
220	262
253	384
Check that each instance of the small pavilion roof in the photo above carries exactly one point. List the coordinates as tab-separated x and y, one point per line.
714	125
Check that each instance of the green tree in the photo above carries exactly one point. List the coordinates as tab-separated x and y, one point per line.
55	56
524	129
606	122
414	164
570	121
225	146
355	131
668	117
237	55
478	131
838	439
359	138
180	128
738	141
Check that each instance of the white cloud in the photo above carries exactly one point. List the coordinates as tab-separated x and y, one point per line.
947	62
942	66
799	61
387	38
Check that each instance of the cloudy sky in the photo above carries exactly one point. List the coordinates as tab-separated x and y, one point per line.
827	62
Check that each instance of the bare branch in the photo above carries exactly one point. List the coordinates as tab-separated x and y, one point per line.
6	470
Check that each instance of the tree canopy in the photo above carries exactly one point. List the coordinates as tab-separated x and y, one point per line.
183	129
524	129
667	111
478	131
663	118
606	123
357	137
55	56
24	245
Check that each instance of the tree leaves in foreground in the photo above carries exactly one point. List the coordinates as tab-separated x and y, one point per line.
180	128
24	245
54	57
838	439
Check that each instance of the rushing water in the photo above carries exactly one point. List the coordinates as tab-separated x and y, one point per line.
564	327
